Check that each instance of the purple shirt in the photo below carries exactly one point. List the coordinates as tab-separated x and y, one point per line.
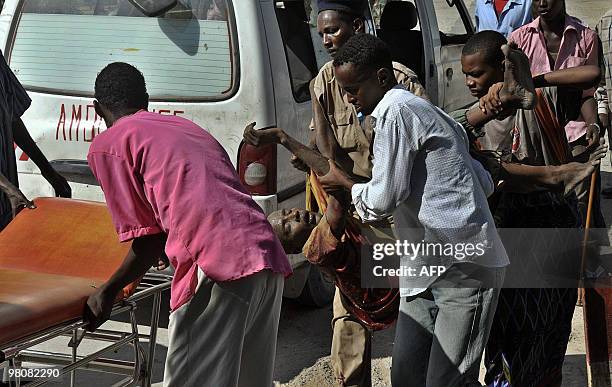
578	47
163	173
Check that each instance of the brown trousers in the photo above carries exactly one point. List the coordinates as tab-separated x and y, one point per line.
351	349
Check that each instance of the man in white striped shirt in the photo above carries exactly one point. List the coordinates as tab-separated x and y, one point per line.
424	176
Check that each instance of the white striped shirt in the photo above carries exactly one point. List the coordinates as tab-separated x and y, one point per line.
424	176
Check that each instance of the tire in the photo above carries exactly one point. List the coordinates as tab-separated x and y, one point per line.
318	290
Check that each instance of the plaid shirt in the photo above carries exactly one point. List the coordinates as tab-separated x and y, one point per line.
604	29
424	176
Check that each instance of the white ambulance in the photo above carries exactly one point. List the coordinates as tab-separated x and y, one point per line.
220	63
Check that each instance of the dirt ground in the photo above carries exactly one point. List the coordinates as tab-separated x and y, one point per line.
302	356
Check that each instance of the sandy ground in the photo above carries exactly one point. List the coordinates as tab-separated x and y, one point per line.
303	352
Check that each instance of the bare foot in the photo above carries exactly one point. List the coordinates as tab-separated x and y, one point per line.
518	90
574	173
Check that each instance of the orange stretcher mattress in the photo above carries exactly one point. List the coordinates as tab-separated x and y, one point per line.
51	259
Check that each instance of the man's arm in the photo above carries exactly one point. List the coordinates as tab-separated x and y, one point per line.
324	138
143	254
583	77
494	104
335	177
326	246
26	143
14	195
391	173
313	159
498	99
588	110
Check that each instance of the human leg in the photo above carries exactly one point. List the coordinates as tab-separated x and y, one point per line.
259	347
413	338
207	334
465	316
351	354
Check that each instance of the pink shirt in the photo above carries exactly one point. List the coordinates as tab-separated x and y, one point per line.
165	174
578	47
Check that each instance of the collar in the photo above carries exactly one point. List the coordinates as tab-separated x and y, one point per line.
570	24
127	116
510	1
376	113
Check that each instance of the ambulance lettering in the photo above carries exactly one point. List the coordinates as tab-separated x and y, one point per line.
72	127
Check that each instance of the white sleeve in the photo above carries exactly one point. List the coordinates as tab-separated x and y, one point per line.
484	177
601	96
394	155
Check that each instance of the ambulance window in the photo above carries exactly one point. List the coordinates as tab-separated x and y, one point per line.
295	31
454	24
186	54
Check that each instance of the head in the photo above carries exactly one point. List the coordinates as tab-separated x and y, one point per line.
293	227
120	90
551	10
482	61
338	21
216	10
363	68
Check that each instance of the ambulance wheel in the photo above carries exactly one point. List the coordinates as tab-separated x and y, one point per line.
318	290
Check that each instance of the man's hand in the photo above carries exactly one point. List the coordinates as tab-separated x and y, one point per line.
143	254
98	308
491	102
592	135
163	262
335	178
262	136
60	185
298	164
18	200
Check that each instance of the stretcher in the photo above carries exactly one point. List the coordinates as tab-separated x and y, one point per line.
51	259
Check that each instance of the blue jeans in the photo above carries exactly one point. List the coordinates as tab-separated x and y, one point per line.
442	332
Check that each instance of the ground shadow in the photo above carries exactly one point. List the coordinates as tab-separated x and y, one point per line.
574	371
305	335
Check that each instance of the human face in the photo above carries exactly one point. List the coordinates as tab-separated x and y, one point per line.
551	10
216	11
364	88
333	30
479	75
293	227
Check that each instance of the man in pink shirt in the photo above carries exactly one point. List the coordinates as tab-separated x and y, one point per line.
170	187
556	41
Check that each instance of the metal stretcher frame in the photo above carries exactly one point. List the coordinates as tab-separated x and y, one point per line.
137	371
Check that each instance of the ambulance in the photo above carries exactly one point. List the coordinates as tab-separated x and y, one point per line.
219	63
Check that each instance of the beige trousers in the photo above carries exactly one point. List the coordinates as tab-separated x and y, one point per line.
351	349
225	336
